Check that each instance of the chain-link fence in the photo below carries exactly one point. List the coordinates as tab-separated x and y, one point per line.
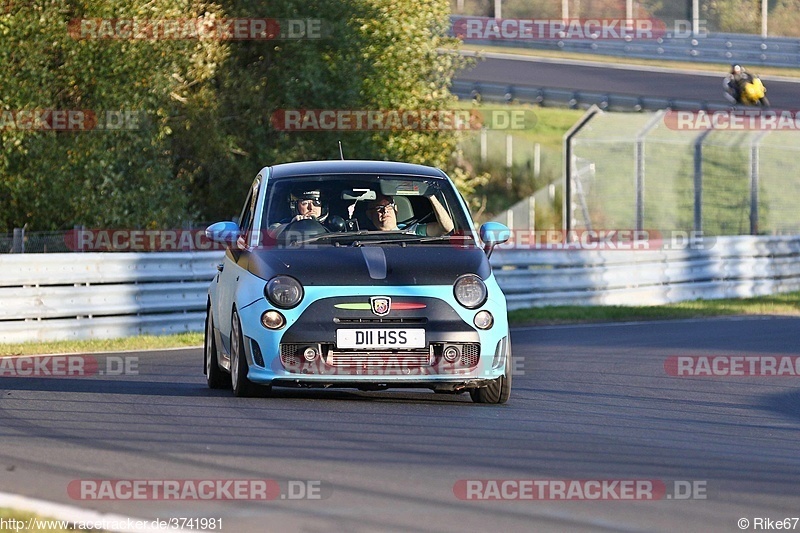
664	171
190	237
20	241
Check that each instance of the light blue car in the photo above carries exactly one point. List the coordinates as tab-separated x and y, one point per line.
357	274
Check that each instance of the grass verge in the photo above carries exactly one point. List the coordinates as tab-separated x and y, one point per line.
787	304
22	520
142	342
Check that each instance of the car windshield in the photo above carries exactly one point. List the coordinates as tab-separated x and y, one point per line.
363	209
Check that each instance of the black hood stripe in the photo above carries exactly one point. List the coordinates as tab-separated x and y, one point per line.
376	261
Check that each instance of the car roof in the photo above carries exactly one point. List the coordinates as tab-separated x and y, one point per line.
348	166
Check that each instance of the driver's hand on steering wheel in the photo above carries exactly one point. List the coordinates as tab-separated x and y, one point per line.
303	217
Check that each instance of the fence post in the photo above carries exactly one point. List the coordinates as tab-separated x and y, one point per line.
568	164
509	159
698	181
639	157
532	213
18	245
754	179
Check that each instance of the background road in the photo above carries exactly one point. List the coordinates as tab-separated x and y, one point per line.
611	79
589	402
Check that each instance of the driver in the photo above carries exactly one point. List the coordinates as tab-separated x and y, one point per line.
307	205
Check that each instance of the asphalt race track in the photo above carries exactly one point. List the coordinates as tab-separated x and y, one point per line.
589	403
629	81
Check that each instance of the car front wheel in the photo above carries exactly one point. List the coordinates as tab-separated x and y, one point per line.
498	391
216	378
242	386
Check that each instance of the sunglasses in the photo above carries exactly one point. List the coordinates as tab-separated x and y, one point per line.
315	202
381	208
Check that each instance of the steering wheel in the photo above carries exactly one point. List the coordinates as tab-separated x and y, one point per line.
300	230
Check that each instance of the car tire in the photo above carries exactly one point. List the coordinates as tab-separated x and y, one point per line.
215	377
242	387
496	392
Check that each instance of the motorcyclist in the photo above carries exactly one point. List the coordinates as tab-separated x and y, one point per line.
734	83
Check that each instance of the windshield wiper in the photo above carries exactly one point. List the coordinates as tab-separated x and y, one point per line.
324	236
412	238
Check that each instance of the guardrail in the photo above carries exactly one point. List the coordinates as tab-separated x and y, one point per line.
728	267
103	295
106	295
499	92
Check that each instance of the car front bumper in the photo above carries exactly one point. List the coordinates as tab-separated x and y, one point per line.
275	357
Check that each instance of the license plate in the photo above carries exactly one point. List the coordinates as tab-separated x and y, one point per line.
380	338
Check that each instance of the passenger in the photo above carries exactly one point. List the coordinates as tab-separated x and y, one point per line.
382	212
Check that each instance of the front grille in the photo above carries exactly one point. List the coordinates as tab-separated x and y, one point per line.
386	360
470	354
338	320
290	355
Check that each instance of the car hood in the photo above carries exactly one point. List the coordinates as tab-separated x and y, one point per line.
369	265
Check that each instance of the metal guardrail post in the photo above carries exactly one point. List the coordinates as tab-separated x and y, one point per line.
18	245
640	166
568	165
754	179
698	181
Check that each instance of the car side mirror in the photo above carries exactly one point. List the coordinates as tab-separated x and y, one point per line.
492	234
223	232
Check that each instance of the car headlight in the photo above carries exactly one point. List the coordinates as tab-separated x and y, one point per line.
470	291
284	292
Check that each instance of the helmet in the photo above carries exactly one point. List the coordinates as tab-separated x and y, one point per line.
308	194
736	69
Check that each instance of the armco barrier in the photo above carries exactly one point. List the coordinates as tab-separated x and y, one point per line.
102	295
725	267
105	295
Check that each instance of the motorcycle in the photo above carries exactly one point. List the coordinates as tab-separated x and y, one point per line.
752	92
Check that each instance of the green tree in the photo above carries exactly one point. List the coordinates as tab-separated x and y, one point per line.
205	105
54	179
373	55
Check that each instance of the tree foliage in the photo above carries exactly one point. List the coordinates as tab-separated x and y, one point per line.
54	179
204	106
